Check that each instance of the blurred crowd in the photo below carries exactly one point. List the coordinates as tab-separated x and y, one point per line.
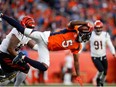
55	14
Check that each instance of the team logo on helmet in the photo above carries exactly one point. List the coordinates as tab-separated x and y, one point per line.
28	22
98	25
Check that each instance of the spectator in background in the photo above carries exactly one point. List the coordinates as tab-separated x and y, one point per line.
98	42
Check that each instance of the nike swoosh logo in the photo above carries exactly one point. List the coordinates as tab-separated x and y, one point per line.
3	76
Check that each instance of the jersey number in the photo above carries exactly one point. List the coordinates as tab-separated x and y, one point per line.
98	45
66	43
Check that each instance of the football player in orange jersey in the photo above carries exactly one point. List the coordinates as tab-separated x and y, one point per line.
67	39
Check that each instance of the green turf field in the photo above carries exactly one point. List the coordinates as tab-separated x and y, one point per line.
62	85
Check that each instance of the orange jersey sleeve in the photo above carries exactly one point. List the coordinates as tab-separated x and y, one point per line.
64	41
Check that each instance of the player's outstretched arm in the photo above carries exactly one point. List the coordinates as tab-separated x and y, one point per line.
76	65
20	28
13	23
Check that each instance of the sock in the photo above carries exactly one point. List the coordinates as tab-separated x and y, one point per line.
19	79
35	64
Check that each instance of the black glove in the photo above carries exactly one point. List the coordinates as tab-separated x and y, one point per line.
18	58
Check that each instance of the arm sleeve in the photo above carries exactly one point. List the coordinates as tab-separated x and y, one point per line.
28	32
109	43
76	64
36	35
14	23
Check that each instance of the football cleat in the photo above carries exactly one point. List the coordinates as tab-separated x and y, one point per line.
7	76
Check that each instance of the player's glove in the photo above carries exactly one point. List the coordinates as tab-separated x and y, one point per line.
18	58
79	80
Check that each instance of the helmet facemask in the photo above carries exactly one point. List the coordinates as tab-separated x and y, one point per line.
84	37
84	34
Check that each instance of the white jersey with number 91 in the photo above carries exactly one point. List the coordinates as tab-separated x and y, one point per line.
98	44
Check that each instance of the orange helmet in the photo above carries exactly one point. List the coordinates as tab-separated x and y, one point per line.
28	22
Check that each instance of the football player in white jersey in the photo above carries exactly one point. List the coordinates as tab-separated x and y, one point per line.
98	41
9	48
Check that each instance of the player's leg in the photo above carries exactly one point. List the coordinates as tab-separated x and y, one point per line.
20	77
43	63
94	79
41	76
105	65
43	52
10	70
6	71
43	58
7	77
100	68
3	81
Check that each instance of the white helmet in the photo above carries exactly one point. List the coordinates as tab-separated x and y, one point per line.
98	25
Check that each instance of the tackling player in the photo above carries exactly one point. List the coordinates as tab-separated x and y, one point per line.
9	49
69	38
98	42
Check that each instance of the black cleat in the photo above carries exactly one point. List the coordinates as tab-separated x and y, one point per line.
7	76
